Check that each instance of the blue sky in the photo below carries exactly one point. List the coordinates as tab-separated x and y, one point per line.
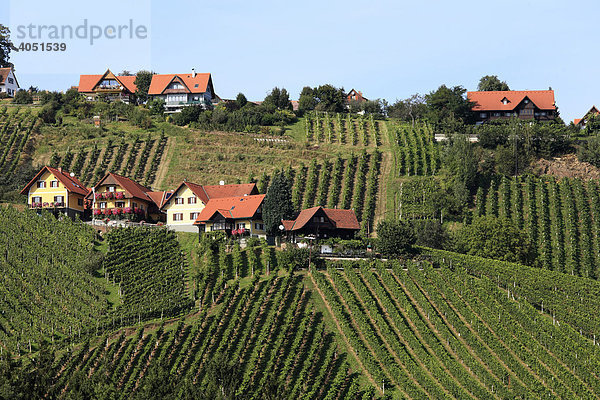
386	49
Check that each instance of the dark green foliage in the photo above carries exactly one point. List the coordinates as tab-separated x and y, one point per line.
278	98
489	83
395	238
429	233
142	84
23	97
448	103
590	151
277	204
496	238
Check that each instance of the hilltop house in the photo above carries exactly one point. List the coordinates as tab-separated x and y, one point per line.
117	195
8	82
57	191
181	90
582	122
538	105
237	216
111	86
189	199
322	223
357	96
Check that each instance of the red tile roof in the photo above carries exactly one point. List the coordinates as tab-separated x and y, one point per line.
592	111
4	74
88	82
160	198
207	192
197	84
132	189
493	100
240	207
220	191
72	184
342	219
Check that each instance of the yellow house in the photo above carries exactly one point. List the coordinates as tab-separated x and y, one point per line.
116	196
189	199
238	216
57	191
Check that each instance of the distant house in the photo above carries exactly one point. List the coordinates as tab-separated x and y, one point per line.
237	216
108	85
57	191
8	82
181	90
353	95
118	195
536	105
320	223
189	199
582	122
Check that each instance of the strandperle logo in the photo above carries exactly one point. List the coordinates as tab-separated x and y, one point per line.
85	31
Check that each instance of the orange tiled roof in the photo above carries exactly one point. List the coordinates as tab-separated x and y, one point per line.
160	198
72	184
197	84
132	188
4	74
231	207
342	219
493	100
207	192
88	82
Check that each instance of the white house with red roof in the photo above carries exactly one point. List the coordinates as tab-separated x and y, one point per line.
8	82
239	216
112	87
181	90
189	199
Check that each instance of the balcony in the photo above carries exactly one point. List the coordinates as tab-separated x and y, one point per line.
57	204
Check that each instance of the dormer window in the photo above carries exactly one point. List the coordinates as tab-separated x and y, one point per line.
505	101
526	101
111	188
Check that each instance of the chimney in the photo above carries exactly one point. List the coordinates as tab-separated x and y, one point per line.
193	72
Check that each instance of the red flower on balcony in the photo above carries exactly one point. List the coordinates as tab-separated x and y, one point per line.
108	195
45	204
98	196
119	195
97	212
116	211
107	211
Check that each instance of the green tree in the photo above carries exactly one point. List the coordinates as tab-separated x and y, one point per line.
590	151
278	98
329	98
395	238
23	97
490	83
157	107
493	237
278	203
142	84
241	100
5	47
460	171
307	100
410	109
447	103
